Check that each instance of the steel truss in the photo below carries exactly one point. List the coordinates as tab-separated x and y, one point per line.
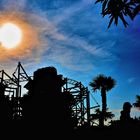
13	88
81	108
81	94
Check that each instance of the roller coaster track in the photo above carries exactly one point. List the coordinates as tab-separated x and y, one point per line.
80	93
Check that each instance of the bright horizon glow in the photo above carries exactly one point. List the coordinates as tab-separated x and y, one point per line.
10	35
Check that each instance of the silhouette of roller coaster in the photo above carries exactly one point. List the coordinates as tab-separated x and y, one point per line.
11	87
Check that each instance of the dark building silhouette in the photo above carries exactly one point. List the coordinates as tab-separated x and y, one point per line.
46	105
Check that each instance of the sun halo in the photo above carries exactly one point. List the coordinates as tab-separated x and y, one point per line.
10	35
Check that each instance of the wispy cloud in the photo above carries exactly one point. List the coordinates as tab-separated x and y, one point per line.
16	5
131	80
95	49
66	45
68	57
77	51
68	12
77	54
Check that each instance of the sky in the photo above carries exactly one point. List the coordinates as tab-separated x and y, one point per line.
72	36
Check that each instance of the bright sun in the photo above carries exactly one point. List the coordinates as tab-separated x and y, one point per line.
10	35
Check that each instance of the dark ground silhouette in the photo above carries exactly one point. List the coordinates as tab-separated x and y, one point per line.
46	110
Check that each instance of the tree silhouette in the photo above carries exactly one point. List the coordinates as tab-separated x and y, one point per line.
118	9
137	103
125	113
98	114
103	84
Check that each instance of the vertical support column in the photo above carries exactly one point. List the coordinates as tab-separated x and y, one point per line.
88	106
2	84
18	94
2	76
66	84
82	104
18	90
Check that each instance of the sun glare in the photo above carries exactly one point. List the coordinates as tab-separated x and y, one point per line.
10	35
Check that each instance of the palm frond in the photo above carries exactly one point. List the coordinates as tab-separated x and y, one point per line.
101	81
137	103
119	9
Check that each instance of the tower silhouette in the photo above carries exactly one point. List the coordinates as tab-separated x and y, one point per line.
45	103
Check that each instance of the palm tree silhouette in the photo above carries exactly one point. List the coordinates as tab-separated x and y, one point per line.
104	84
118	9
137	103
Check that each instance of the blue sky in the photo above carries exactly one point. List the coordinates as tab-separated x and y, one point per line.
75	39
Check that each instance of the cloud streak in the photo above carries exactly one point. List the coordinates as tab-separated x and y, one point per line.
131	80
76	53
77	49
16	5
66	45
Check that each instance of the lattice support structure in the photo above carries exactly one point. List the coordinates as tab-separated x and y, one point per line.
9	83
80	93
12	88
